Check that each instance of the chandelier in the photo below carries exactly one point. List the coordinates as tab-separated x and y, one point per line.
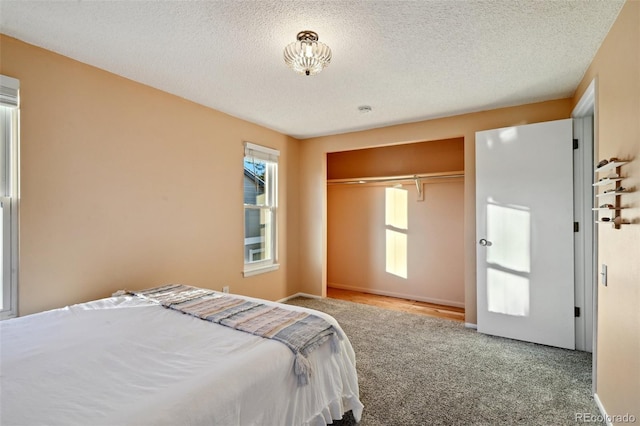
307	55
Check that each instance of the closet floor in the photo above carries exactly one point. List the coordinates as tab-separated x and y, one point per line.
394	303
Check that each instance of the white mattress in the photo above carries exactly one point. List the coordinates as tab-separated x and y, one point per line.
126	361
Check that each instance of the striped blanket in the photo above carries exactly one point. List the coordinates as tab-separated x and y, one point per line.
300	331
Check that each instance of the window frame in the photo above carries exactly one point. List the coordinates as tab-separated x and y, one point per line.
270	157
9	194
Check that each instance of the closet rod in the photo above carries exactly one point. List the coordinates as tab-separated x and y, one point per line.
393	178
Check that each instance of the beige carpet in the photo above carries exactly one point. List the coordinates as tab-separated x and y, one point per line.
418	370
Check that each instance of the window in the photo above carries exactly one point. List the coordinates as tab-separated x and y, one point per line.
9	119
260	209
396	220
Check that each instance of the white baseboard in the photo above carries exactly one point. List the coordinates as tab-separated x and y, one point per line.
400	295
471	325
602	410
293	296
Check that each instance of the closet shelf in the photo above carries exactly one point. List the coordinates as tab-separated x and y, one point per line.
399	178
610	166
607	208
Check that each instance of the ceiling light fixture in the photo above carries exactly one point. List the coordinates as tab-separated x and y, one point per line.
307	56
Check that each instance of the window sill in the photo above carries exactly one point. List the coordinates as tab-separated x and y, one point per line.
260	270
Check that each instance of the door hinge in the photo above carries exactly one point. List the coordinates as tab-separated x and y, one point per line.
575	144
576	311
576	227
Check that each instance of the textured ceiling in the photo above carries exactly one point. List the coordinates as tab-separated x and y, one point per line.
408	60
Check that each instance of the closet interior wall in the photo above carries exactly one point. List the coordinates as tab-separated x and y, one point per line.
394	237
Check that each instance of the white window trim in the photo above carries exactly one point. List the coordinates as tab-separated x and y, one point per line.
10	97
269	155
260	270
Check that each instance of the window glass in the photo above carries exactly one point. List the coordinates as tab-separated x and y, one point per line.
260	209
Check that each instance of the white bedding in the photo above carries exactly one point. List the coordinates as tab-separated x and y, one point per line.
127	361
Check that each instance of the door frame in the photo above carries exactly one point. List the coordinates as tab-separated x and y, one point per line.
587	243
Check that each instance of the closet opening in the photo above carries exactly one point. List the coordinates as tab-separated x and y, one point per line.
395	226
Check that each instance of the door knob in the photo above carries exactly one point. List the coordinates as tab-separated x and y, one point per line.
484	242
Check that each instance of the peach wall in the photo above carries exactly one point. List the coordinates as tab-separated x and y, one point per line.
313	171
125	186
356	241
398	160
616	68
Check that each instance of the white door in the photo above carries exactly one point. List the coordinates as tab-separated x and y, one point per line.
524	228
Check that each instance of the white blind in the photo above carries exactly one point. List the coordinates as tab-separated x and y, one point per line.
6	121
260	152
9	91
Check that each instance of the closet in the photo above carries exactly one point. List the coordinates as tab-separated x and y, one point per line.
395	221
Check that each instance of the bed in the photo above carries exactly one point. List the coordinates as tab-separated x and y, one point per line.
126	360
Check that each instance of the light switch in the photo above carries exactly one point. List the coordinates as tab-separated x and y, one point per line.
604	275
